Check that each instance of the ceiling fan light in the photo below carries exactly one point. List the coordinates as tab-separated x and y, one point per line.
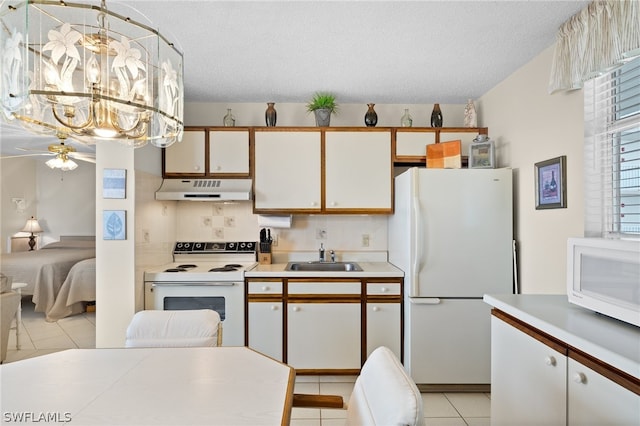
92	73
68	165
55	163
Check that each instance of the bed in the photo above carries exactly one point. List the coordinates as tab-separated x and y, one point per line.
45	270
79	287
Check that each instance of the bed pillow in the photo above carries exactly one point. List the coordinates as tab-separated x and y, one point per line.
5	283
74	244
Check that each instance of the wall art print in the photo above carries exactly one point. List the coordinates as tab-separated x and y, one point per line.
114	225
551	183
114	183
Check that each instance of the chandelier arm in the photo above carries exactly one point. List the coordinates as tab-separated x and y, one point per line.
71	125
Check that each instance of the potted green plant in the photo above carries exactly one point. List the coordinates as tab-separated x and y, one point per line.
323	104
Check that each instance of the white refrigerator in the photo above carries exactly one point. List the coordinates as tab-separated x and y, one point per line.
452	235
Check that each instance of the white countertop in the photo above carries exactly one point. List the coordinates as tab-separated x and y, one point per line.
613	342
369	270
168	386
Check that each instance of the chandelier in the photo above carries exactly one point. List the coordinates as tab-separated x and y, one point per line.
86	71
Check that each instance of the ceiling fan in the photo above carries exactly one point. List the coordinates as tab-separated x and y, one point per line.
63	155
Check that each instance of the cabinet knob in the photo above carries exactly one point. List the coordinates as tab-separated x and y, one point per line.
376	309
196	168
218	167
274	307
384	290
550	360
580	378
296	309
333	204
313	204
265	288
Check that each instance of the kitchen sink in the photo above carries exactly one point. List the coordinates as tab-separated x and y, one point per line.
323	266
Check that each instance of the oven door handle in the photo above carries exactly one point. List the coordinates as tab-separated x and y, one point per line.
194	284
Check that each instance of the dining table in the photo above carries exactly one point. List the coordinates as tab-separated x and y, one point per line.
148	386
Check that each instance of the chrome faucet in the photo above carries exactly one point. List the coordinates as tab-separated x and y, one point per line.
321	252
333	256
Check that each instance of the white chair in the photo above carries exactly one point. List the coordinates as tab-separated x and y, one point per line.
383	395
174	329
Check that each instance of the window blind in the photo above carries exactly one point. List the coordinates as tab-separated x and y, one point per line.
612	152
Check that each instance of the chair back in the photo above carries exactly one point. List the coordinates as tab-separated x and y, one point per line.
384	394
174	329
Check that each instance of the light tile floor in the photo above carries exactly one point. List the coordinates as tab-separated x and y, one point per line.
39	337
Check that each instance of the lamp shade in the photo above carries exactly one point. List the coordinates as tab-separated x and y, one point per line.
32	226
82	69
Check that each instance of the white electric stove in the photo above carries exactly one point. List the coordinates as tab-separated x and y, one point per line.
205	275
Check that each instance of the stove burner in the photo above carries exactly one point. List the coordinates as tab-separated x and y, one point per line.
175	270
226	268
233	265
186	266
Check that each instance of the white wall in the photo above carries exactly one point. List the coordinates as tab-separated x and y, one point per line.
530	126
63	202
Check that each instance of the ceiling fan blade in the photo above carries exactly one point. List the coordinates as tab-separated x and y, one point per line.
88	159
19	148
28	155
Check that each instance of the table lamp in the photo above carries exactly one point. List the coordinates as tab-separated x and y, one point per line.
32	226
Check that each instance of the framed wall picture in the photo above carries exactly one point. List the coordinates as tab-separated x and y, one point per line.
482	155
551	183
114	183
114	225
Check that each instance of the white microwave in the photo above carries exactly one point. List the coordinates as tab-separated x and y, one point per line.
604	276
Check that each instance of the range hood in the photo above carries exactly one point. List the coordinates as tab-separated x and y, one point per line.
205	189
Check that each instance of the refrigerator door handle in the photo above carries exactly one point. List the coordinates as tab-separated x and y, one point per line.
425	300
418	239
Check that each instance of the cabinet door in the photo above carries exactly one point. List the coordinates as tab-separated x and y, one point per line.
528	379
323	335
358	171
595	400
186	157
383	326
287	171
265	328
412	145
229	152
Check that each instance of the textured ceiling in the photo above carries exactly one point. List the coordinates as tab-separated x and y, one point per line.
380	51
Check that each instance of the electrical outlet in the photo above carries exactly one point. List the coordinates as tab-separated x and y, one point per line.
365	240
218	210
145	236
274	241
164	209
321	234
218	232
229	221
207	221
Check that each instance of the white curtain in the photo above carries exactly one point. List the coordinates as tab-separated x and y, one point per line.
598	39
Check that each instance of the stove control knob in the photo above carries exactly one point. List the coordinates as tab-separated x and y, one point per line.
242	245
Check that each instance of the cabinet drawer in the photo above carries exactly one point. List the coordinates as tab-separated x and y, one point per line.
265	287
325	288
383	289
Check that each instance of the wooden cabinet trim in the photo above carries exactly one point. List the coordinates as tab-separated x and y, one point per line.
619	377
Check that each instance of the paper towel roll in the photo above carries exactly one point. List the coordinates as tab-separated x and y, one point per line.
270	221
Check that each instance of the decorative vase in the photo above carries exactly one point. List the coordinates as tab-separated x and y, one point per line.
229	120
371	117
406	120
323	117
436	116
470	116
270	115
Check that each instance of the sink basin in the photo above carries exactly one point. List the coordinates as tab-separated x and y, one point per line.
323	266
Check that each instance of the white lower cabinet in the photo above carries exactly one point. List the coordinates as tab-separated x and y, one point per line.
383	326
537	380
323	335
595	400
528	379
265	328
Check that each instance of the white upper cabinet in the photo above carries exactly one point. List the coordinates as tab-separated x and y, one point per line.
287	172
358	171
186	157
229	152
